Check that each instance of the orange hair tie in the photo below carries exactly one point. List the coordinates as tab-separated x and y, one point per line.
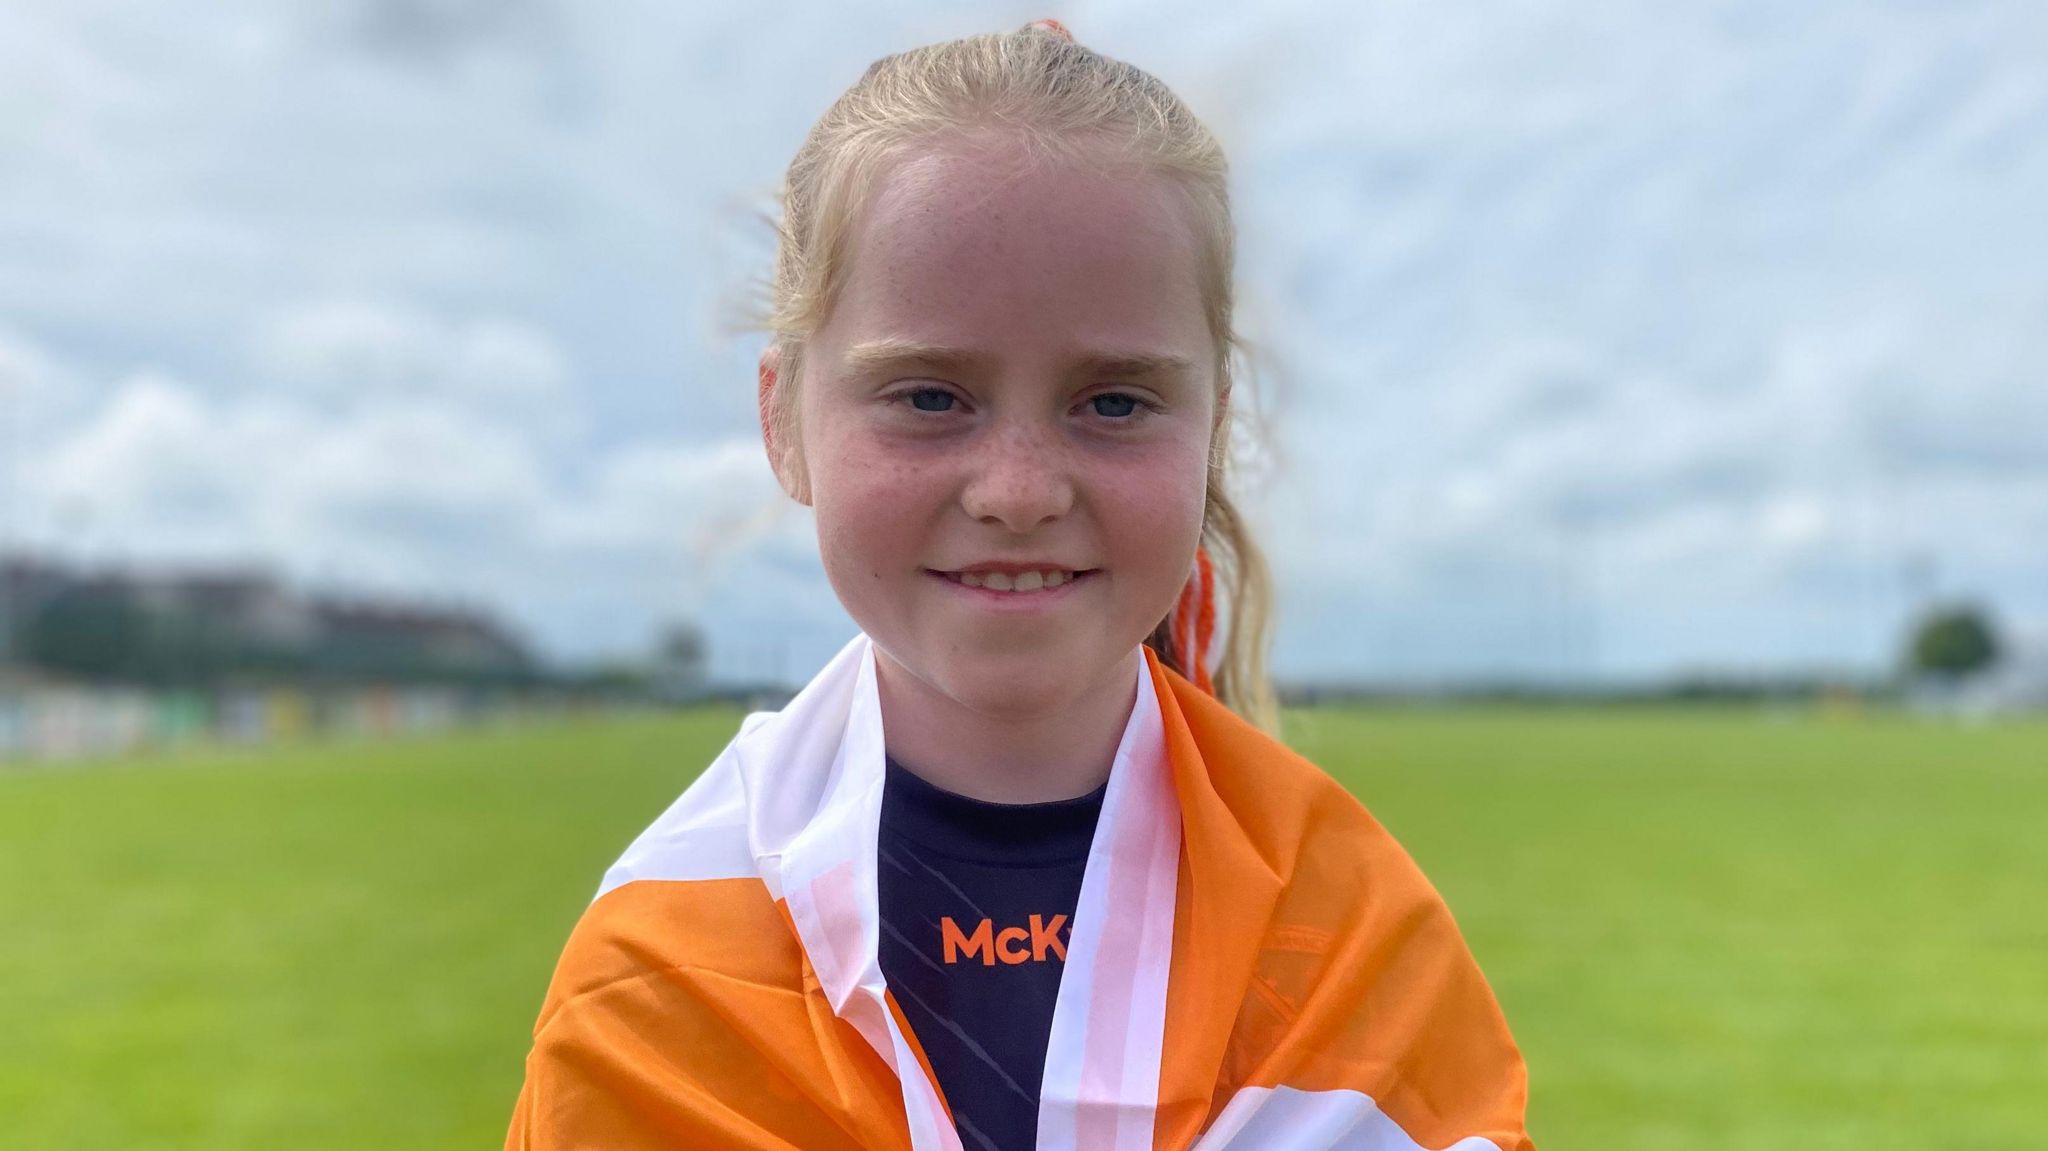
1194	622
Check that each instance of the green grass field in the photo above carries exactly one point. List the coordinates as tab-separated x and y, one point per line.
1709	930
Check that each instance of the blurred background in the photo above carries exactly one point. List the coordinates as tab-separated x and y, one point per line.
1652	452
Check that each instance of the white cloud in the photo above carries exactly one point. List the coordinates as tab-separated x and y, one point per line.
359	353
37	393
405	495
1609	336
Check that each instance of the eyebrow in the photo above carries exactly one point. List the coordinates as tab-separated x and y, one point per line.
877	354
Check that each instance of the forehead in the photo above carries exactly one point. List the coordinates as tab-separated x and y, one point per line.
976	249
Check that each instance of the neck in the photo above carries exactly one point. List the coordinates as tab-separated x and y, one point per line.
1030	757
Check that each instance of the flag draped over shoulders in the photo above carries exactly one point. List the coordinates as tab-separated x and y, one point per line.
1254	963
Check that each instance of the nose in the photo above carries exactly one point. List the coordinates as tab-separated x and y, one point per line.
1020	478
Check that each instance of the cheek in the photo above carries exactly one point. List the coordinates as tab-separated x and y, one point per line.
1153	511
870	507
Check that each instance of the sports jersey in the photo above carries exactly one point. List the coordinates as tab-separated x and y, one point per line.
976	900
1253	963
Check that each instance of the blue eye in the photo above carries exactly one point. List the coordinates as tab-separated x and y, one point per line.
931	400
1114	405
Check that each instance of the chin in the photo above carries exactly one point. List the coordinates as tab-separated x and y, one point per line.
1020	686
1002	693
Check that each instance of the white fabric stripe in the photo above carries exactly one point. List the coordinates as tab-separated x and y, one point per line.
702	835
1288	1119
716	852
829	878
929	1127
1136	849
830	864
1146	1049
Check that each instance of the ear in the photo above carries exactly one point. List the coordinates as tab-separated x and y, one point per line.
781	456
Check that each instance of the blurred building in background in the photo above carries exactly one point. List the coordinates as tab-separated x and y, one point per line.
100	662
205	630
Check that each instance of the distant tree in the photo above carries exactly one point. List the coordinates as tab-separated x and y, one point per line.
1955	641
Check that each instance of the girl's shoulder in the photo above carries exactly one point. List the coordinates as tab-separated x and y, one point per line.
684	897
1357	977
1300	819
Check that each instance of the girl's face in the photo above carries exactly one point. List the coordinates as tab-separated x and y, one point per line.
1016	389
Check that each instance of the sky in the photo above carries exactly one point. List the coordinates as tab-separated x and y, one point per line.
1596	340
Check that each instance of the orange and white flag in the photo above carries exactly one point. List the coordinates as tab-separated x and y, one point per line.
1253	963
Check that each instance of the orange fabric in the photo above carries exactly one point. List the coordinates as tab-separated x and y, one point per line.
1310	951
683	1014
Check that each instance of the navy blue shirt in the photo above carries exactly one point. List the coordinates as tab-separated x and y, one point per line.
977	903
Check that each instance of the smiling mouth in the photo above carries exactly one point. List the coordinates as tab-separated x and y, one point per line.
1045	579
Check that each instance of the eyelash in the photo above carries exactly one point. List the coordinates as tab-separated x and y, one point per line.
1137	405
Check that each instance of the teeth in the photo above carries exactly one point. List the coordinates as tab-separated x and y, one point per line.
1025	581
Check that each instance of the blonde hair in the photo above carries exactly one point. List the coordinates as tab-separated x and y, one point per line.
1038	87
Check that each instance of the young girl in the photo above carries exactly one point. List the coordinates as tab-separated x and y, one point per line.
1019	868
